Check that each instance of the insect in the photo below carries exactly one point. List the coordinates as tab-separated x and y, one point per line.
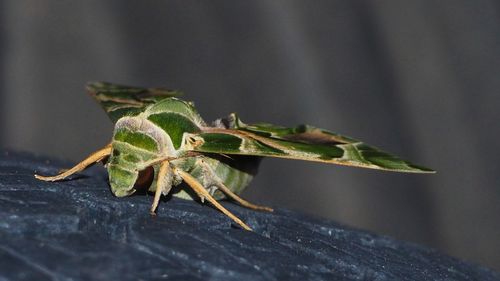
160	141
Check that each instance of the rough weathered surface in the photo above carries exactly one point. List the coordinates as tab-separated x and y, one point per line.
77	230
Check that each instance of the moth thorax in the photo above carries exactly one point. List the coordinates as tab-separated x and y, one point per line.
142	133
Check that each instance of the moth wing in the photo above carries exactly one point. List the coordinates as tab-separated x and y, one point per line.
231	136
119	100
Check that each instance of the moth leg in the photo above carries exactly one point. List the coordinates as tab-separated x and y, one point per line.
240	200
203	193
217	182
91	159
163	184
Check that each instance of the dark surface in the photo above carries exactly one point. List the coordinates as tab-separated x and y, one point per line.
76	229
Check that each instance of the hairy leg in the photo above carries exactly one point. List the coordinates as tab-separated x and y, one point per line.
163	184
203	193
90	160
240	200
217	182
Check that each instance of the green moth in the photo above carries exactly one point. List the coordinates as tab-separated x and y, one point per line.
160	141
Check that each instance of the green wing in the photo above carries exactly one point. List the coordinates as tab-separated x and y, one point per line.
231	136
119	100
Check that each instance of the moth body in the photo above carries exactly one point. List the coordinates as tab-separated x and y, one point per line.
162	131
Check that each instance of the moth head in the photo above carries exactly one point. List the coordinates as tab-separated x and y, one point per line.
135	143
125	174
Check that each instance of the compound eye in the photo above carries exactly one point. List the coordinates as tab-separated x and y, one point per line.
144	179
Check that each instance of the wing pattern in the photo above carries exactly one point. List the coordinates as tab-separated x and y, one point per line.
231	136
119	100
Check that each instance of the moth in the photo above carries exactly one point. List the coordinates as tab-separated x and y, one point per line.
160	141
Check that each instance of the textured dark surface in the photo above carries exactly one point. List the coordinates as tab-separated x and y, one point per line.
77	230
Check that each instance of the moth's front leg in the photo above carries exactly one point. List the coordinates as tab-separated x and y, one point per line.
90	160
163	184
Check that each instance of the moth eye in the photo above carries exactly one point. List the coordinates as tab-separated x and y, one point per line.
116	153
144	179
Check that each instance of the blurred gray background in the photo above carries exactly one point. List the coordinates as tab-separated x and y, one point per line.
416	78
